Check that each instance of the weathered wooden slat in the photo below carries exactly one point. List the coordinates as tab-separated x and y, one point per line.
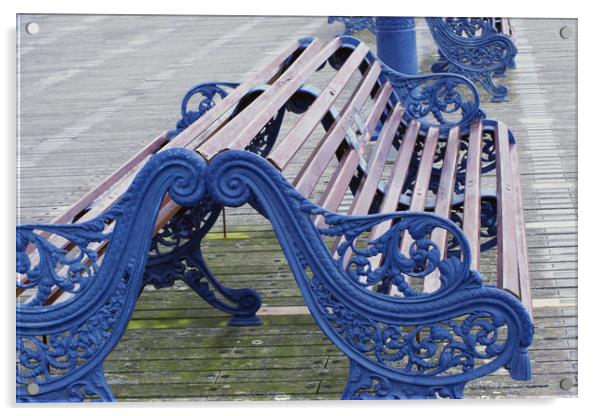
192	136
471	220
395	184
522	257
398	177
367	189
240	130
420	192
445	194
341	178
507	268
421	187
316	164
88	198
368	186
299	133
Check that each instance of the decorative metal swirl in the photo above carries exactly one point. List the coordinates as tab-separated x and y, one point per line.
438	100
60	347
450	346
355	23
470	27
208	92
477	57
423	257
468	46
57	267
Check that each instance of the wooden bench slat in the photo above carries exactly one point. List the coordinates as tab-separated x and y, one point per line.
420	191
507	267
445	195
297	136
367	189
395	184
241	129
471	221
339	181
85	201
316	164
398	177
341	178
523	262
369	183
193	136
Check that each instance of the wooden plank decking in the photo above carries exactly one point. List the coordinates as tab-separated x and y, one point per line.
96	89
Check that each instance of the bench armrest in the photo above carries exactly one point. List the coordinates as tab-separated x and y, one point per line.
377	331
491	52
61	345
437	100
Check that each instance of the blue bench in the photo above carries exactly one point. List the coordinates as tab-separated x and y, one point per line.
479	48
393	283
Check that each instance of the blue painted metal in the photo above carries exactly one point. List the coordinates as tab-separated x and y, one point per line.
206	93
470	46
176	249
474	48
422	345
438	100
396	43
355	23
175	253
61	347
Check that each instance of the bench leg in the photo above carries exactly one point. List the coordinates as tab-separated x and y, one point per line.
92	385
176	255
364	384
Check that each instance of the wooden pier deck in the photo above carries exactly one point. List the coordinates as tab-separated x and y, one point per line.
94	89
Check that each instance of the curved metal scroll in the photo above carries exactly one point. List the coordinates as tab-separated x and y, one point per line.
419	345
207	93
472	47
61	346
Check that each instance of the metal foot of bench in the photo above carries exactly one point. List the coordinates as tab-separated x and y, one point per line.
520	365
176	255
364	384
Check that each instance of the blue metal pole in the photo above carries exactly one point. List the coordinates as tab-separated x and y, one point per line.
396	43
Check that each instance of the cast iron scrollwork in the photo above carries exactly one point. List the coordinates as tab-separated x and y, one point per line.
417	345
176	254
61	346
438	100
355	23
470	27
208	93
469	46
477	57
